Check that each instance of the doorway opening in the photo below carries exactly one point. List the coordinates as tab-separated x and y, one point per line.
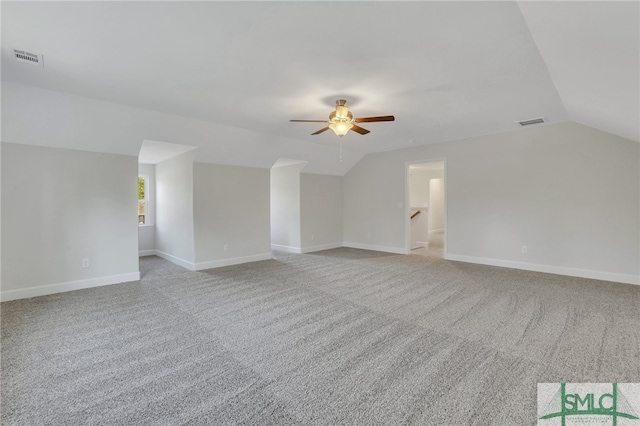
426	218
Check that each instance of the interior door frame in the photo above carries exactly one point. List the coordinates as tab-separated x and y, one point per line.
407	201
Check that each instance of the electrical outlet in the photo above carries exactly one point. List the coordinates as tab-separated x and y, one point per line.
85	263
524	249
226	247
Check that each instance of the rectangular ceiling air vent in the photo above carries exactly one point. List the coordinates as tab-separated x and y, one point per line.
28	57
532	121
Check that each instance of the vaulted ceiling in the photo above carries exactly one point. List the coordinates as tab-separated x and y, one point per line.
446	70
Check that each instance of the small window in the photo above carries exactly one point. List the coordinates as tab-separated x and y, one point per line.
142	200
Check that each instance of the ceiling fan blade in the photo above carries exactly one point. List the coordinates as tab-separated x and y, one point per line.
309	121
359	129
320	131
374	119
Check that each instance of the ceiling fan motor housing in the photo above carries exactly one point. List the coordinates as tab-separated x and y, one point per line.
340	116
342	113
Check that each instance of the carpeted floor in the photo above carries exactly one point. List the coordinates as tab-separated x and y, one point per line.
434	249
338	337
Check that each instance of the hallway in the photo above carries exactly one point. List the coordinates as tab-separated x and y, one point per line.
435	248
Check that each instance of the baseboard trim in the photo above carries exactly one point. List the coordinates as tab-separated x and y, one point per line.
385	249
232	261
287	249
210	264
550	269
174	259
44	290
143	253
321	247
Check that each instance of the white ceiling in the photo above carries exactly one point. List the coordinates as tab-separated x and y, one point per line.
154	152
592	52
430	166
286	162
446	70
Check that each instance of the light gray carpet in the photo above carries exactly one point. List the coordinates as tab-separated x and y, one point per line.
338	337
435	247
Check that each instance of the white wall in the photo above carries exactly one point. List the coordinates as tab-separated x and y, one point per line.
419	185
320	211
231	207
419	225
419	202
374	205
568	192
418	189
285	207
174	210
35	116
147	232
59	207
436	205
0	223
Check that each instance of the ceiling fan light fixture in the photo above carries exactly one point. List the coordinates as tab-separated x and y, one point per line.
340	128
341	121
342	112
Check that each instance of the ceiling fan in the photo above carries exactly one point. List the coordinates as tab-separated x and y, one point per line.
341	120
